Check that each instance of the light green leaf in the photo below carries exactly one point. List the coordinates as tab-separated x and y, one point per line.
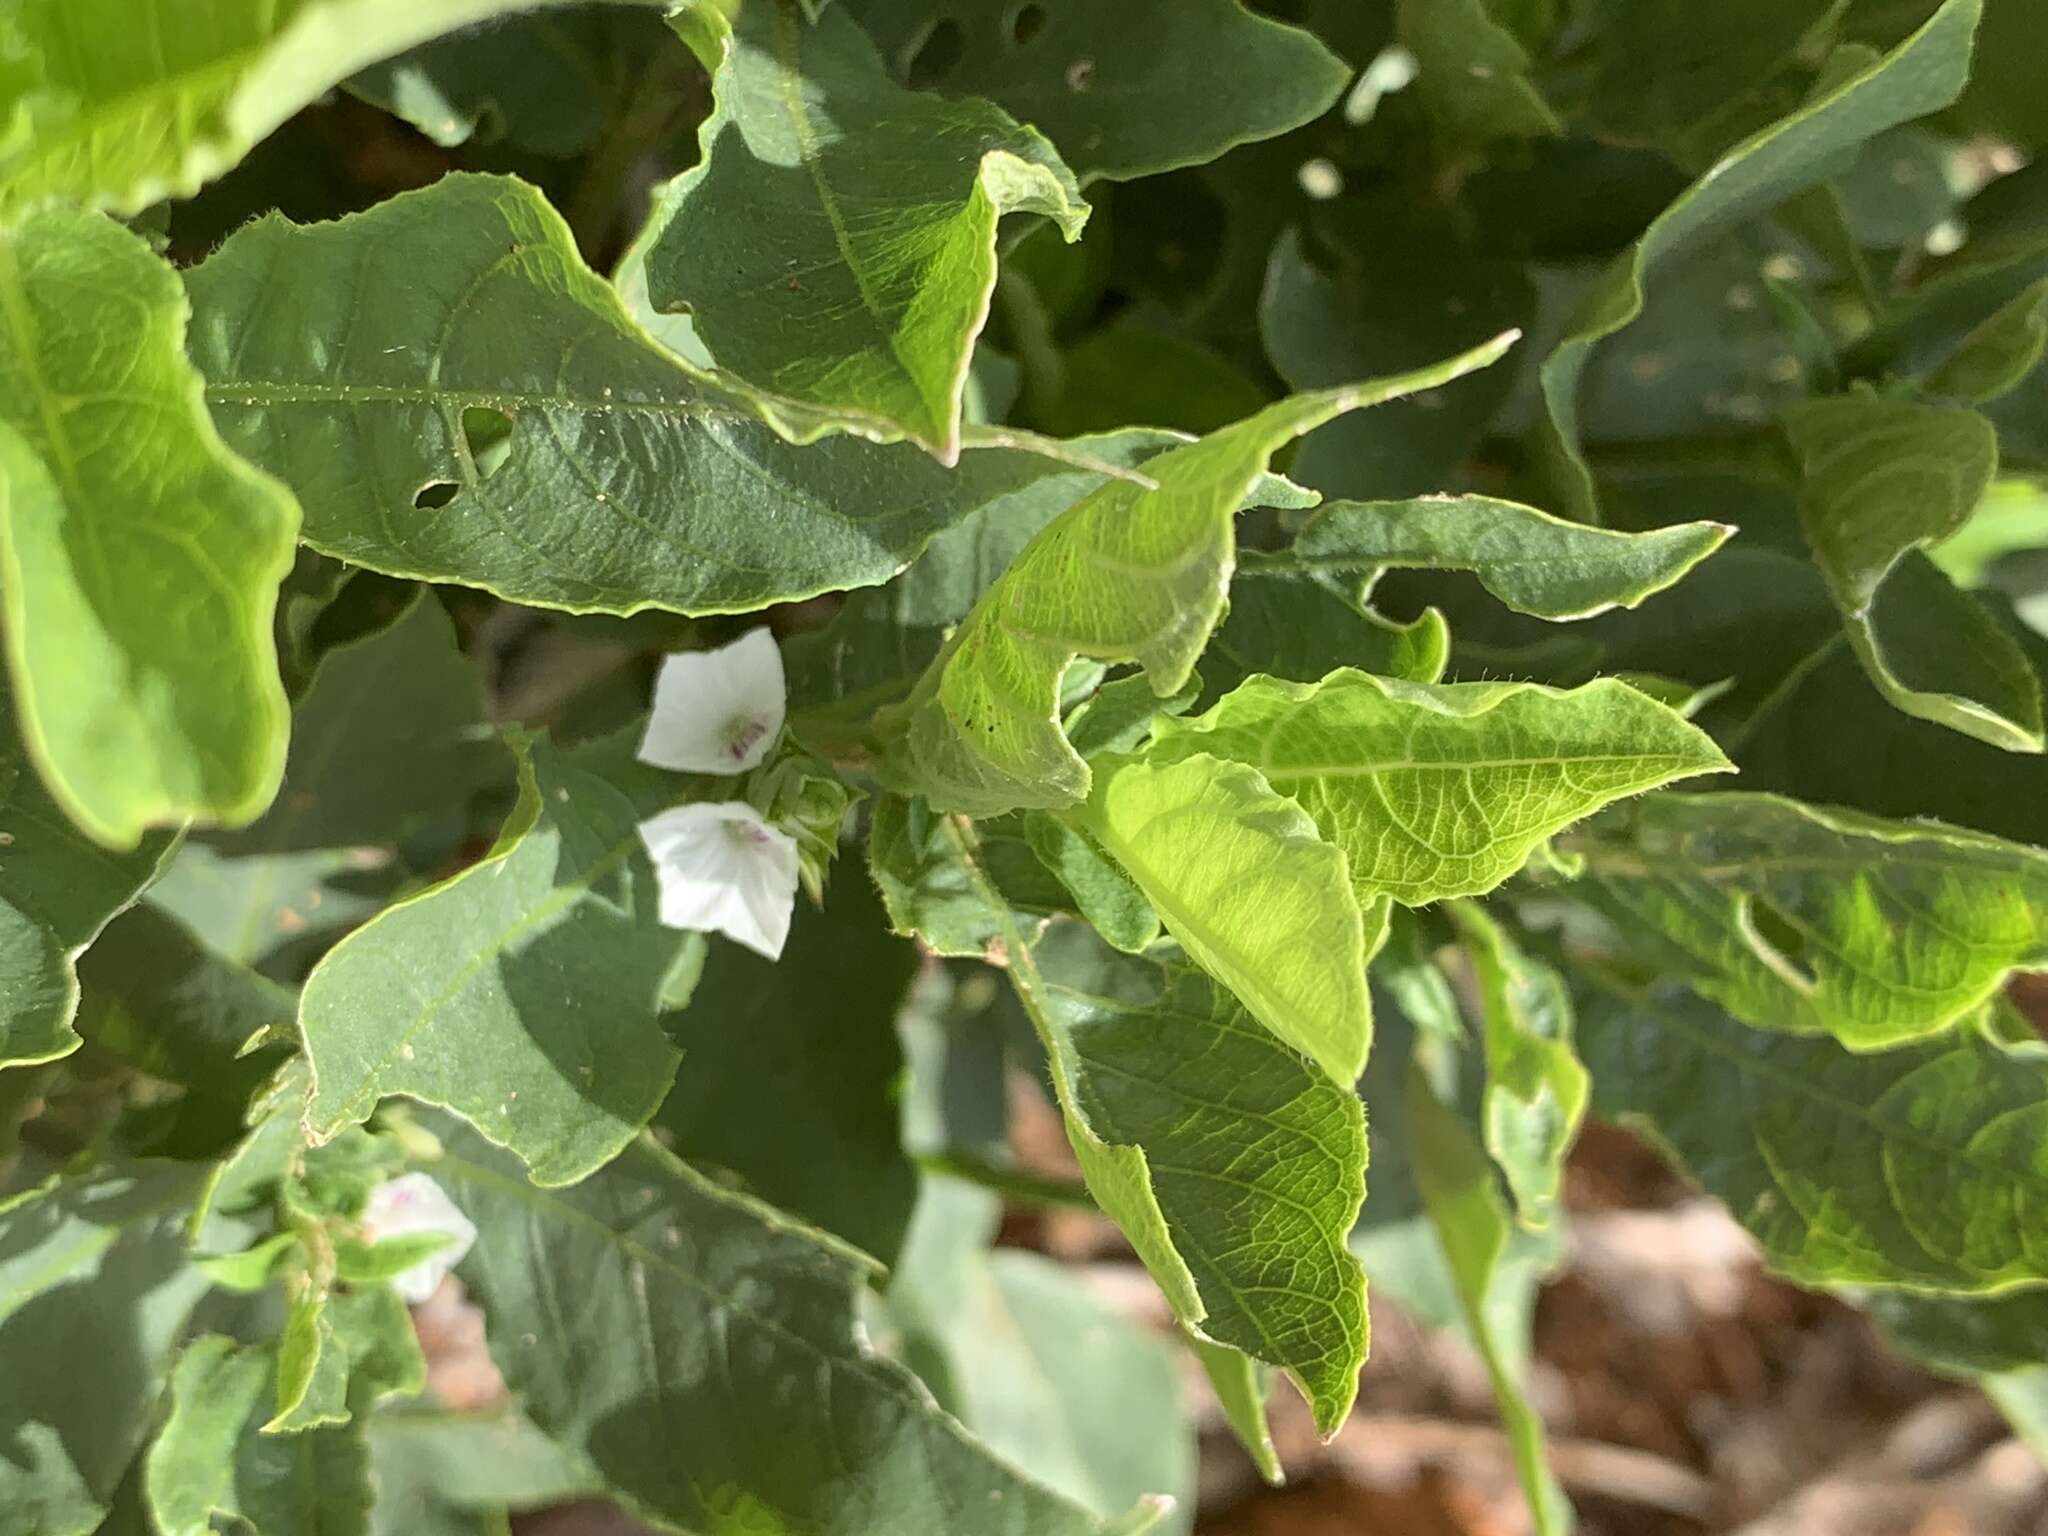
1883	479
1473	73
790	1070
1535	563
1472	1225
836	244
1044	1372
1242	1387
1921	1167
121	103
1127	574
1922	74
522	993
699	1351
1252	1162
58	889
467	309
1819	921
136	589
1445	790
1241	879
1535	1085
1126	90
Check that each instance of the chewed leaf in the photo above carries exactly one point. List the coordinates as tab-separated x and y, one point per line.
1127	574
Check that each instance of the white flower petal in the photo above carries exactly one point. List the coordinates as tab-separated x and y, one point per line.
411	1204
717	711
723	869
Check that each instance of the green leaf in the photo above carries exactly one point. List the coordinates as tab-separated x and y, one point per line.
699	1351
1535	1085
1445	790
57	891
1241	879
522	993
1252	1163
168	94
1124	91
1242	1387
1918	1167
1820	921
837	242
1882	479
1127	574
1472	1225
1018	1349
1985	1336
449	1474
790	1070
467	309
138	587
1473	73
1535	563
1305	624
1998	353
1922	74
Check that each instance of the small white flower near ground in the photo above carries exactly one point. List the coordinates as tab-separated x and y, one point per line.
722	868
717	711
411	1204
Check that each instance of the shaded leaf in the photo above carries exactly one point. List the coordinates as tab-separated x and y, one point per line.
139	586
1304	624
1473	73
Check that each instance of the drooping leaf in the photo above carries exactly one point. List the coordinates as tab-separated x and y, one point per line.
789	1071
699	1351
523	993
1817	921
1918	1167
1253	1163
1882	479
836	243
619	480
1445	790
1923	74
1240	878
138	585
58	889
1472	1225
1473	73
1536	1086
1049	1376
1242	1386
1124	91
1535	563
1127	574
168	94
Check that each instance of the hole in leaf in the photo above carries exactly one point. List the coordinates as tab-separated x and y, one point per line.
435	493
487	433
937	55
1776	942
1026	25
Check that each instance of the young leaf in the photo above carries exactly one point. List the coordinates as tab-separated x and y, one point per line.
837	242
1241	880
1535	1085
57	891
1535	563
749	1402
1459	1195
1125	90
1920	1167
627	481
1923	74
1127	574
171	93
1818	921
523	993
813	1037
136	588
1437	791
1883	479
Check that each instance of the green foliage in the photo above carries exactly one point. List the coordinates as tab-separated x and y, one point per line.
1116	705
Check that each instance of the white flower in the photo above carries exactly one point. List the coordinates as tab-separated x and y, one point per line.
411	1204
721	867
716	711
